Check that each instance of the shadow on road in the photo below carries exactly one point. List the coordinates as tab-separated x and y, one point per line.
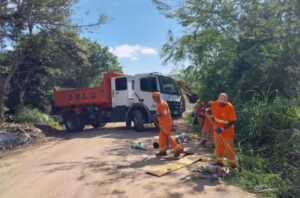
116	163
109	132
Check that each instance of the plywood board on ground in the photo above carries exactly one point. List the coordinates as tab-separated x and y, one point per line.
162	170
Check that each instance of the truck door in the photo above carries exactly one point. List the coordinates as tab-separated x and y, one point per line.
119	91
147	85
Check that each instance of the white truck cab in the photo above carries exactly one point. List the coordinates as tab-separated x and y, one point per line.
135	92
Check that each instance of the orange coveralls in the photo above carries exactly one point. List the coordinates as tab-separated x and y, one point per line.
166	123
200	111
207	126
223	115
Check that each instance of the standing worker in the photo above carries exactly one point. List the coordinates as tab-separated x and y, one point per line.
165	125
200	113
208	125
224	118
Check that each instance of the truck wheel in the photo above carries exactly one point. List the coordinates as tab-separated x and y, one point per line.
73	123
138	121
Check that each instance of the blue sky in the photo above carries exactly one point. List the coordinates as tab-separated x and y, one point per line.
135	32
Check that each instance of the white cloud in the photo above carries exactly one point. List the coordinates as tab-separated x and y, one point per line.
132	52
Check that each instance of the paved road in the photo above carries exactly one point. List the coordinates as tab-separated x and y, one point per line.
98	163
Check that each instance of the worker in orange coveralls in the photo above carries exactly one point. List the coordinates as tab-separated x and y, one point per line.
165	124
224	118
200	113
207	126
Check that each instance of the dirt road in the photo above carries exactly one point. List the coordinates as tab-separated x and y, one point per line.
98	163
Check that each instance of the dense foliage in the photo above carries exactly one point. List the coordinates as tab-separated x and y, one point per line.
251	50
46	51
235	45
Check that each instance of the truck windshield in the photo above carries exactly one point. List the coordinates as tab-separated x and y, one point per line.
168	85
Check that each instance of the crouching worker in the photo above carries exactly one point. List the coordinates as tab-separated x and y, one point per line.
165	125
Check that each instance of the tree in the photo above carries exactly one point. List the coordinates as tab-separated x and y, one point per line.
56	59
237	46
20	18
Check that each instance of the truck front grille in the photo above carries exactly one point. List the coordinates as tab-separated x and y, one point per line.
174	108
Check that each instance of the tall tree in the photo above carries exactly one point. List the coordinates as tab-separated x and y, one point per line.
56	59
237	46
20	18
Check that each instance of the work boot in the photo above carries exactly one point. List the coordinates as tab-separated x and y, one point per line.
177	153
161	153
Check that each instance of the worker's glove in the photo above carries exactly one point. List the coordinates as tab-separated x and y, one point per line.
219	130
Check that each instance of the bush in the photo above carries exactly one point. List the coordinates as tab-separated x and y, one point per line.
34	116
268	139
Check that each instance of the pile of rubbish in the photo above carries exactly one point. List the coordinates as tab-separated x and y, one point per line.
211	172
12	135
183	138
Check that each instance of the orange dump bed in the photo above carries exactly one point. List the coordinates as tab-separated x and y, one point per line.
99	96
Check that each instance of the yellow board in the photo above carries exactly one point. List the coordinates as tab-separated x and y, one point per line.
170	167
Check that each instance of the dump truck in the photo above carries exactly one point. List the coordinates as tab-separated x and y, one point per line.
119	98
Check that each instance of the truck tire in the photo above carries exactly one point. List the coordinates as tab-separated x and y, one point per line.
138	121
73	123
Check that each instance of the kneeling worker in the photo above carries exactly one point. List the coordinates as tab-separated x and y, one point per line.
165	125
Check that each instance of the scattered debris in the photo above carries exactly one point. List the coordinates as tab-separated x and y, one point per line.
211	172
12	135
10	139
183	138
139	146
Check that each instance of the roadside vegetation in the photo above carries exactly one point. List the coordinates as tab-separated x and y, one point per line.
34	116
41	49
249	49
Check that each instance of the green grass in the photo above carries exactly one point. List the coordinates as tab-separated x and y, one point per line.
268	146
268	141
34	116
256	176
262	184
